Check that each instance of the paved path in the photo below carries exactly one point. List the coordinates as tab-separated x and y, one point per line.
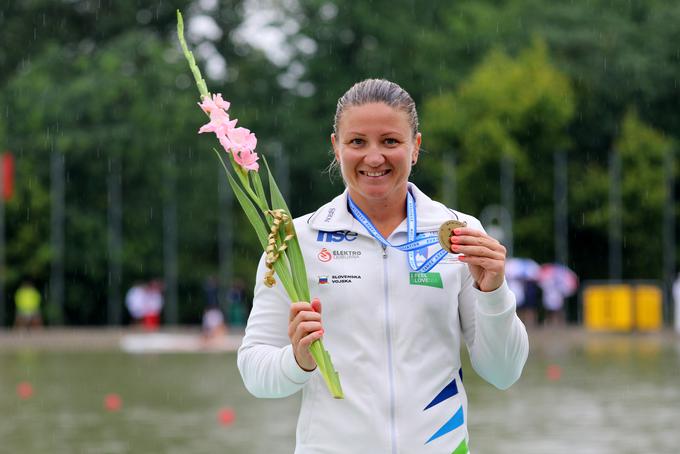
100	339
189	339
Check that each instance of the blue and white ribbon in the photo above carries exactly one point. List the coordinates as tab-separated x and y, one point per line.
415	240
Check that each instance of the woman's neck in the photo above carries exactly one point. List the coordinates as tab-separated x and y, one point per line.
385	214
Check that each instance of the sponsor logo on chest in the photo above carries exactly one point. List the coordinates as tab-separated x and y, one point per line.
335	237
326	255
338	279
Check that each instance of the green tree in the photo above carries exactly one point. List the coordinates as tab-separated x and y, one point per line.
642	151
109	88
28	27
513	108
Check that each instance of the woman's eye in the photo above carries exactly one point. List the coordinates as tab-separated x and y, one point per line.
391	142
356	141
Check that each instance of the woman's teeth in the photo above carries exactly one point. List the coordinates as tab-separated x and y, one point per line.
375	174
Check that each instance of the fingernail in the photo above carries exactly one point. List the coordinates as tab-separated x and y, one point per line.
321	331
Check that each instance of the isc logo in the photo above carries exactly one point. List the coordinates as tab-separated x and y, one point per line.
336	237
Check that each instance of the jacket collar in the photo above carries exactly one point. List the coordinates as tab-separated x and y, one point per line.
335	215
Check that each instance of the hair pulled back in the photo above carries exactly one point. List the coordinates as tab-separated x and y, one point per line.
377	91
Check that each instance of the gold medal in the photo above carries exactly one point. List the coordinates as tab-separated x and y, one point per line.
446	231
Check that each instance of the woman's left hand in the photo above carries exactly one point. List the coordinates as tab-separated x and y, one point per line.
484	255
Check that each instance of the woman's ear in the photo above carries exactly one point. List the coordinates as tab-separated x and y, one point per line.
416	149
336	150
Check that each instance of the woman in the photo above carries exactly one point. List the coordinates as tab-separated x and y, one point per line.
393	327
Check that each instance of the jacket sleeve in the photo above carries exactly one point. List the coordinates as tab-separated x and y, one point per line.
265	358
496	338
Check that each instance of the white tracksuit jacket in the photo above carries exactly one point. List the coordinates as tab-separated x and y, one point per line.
394	338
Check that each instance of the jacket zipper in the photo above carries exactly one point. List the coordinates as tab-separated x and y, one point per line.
390	362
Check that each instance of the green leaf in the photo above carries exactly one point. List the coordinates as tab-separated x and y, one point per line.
262	231
325	365
294	251
257	184
245	181
248	206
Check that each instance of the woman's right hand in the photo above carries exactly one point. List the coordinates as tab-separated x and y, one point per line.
305	327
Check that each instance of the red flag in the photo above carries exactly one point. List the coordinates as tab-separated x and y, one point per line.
7	169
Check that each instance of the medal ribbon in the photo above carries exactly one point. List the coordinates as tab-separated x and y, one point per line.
415	240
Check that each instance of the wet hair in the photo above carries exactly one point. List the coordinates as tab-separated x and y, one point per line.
376	91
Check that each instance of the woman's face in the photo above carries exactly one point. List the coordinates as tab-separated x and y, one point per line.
376	148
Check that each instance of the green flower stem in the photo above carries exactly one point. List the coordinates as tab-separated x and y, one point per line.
323	362
290	267
200	82
294	252
245	182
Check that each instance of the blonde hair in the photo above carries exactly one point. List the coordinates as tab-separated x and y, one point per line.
377	90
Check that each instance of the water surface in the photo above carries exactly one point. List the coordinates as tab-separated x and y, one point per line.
599	394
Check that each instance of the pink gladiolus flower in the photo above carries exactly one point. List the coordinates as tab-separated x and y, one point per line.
241	139
219	123
241	143
216	103
247	159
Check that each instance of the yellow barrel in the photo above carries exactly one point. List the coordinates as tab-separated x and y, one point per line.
595	302
648	308
608	307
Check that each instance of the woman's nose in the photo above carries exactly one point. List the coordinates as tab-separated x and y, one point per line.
374	157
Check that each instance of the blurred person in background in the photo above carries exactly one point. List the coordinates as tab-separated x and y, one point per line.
153	304
144	302
393	329
134	302
528	312
27	301
213	319
237	303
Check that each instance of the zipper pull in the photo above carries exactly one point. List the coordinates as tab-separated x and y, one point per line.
384	248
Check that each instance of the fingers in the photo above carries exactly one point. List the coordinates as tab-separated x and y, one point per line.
476	243
303	319
304	327
307	335
316	305
303	306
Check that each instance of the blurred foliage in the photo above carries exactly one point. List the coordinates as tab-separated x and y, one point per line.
642	151
101	83
517	108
